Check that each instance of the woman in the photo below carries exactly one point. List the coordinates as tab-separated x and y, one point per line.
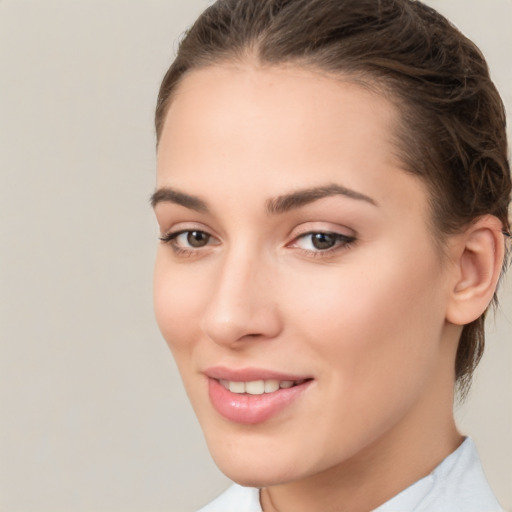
332	196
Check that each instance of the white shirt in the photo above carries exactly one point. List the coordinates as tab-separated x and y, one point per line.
458	484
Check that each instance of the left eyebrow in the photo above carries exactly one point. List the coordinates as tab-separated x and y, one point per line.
299	198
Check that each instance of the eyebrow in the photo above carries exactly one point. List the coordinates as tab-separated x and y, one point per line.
277	205
170	195
303	197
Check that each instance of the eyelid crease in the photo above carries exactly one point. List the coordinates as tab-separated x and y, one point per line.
184	226
327	227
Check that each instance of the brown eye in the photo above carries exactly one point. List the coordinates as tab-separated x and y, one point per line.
323	241
197	238
189	239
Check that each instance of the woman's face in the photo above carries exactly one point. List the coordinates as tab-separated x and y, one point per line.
297	283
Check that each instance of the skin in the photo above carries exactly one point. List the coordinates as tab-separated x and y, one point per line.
369	321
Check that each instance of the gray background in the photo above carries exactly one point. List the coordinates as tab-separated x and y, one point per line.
92	413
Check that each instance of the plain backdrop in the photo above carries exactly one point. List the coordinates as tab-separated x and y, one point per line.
92	413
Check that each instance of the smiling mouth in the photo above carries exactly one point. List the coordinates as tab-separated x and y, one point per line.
254	401
259	387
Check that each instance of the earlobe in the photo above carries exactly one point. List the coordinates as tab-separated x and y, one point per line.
478	261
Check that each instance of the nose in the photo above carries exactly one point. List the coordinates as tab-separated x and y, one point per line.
242	305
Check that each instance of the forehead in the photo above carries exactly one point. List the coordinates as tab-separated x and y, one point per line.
286	96
271	128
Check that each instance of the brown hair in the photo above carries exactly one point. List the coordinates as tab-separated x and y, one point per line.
452	131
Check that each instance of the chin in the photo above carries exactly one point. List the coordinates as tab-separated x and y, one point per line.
254	475
252	465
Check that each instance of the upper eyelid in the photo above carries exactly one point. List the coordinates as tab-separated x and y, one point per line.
324	232
321	227
181	227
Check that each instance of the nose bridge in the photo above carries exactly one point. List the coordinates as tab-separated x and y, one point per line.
241	303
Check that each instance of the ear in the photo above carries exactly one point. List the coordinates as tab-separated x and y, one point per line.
478	257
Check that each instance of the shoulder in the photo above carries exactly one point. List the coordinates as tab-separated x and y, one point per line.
235	499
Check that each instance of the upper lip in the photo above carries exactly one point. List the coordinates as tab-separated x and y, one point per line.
250	374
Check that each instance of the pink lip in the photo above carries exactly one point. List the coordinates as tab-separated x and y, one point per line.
251	409
249	374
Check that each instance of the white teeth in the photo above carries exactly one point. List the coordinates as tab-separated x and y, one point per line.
236	387
255	387
258	387
271	386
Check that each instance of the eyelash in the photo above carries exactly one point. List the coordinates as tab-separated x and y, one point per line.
170	239
341	242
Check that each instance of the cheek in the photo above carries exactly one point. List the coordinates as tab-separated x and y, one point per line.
177	300
369	319
363	331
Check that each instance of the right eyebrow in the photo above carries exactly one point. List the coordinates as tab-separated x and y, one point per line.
170	195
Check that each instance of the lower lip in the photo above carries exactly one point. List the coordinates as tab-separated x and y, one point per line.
252	409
